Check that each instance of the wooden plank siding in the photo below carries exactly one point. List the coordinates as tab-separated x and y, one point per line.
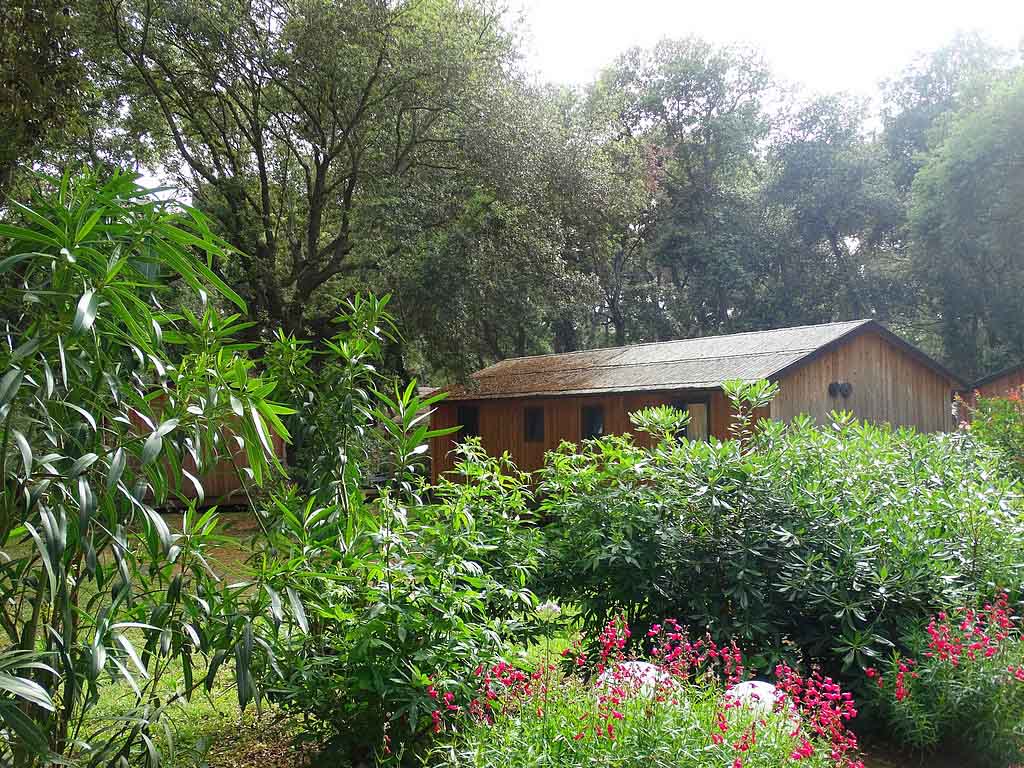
997	385
1003	385
888	385
502	427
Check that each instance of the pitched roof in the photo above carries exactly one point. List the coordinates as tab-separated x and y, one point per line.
997	375
701	363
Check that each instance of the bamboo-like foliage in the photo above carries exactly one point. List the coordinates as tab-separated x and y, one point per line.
107	398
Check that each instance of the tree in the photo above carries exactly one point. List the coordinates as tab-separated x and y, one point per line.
967	227
918	103
304	127
701	111
494	275
832	183
41	73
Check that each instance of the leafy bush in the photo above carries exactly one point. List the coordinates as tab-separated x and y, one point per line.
818	542
388	595
331	387
103	398
999	422
668	708
961	687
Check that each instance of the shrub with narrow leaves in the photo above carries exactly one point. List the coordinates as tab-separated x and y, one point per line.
960	687
397	592
817	544
107	398
998	422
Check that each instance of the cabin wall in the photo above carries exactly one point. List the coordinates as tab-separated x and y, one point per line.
888	385
1004	385
502	428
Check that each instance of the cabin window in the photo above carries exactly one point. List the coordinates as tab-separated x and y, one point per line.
698	428
533	425
591	421
469	417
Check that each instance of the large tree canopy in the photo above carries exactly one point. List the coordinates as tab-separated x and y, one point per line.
398	145
968	222
314	130
40	79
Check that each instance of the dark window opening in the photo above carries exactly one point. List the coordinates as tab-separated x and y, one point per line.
698	428
533	425
591	421
469	417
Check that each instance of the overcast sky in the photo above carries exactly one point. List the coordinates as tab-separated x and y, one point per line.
824	45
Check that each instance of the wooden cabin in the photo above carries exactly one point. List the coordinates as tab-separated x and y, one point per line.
1001	383
529	405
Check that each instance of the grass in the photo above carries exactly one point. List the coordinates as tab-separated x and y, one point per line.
208	729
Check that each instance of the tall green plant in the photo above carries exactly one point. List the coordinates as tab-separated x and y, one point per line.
999	423
332	389
824	542
387	595
106	399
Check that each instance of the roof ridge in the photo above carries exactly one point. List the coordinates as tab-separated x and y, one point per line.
853	323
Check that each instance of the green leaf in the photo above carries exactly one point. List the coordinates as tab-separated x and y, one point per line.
82	463
26	729
85	315
151	448
276	610
297	609
28	235
211	671
12	261
28	690
87	225
26	451
44	554
98	660
125	643
9	385
167	427
117	465
83	413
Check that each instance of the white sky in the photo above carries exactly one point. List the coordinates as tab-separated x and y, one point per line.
825	45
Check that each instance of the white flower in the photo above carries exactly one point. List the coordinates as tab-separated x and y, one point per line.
548	611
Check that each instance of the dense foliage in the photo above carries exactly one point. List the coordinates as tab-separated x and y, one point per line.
401	148
999	422
111	406
822	542
959	686
393	594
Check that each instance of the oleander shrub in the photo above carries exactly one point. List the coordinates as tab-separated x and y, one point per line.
668	706
820	544
110	388
999	423
958	686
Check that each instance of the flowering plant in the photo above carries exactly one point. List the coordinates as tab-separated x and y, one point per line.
999	423
962	688
673	705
